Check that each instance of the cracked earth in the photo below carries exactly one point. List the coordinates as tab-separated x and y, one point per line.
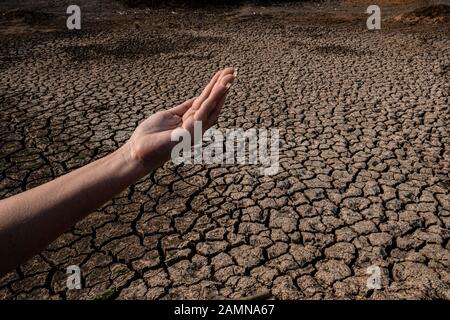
364	153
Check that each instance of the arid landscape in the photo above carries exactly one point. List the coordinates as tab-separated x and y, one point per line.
364	123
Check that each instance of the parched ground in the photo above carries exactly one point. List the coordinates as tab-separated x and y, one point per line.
364	121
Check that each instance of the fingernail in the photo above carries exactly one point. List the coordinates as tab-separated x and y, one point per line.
235	73
228	86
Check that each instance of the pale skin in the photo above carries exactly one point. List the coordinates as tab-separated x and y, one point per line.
29	221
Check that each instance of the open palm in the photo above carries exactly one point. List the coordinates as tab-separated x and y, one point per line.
151	141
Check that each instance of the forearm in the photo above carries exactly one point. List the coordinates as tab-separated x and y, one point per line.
31	220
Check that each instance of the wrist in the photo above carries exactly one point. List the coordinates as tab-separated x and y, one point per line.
128	162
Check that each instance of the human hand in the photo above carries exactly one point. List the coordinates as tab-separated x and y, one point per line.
151	143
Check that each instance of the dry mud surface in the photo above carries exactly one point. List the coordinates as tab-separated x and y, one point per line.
364	164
